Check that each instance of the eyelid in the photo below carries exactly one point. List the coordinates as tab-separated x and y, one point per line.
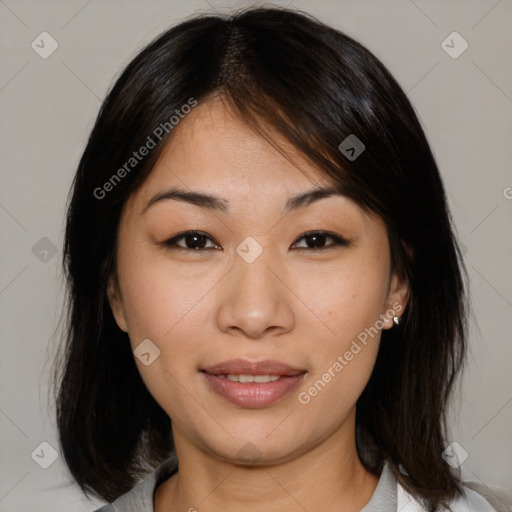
339	241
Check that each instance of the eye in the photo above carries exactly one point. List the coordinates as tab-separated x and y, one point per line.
193	240
317	238
197	241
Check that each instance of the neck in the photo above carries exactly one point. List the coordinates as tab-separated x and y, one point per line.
322	478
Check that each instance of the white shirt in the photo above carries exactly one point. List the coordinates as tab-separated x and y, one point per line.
390	496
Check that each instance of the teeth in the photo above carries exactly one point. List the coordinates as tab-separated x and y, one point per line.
252	378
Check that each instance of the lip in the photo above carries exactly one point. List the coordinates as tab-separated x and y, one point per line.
246	367
252	395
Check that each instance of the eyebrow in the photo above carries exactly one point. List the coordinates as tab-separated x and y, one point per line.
211	202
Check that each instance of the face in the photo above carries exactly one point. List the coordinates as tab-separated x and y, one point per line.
295	294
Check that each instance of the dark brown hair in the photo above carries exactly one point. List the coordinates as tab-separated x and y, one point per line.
315	86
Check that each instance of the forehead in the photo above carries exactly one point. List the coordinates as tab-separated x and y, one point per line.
212	151
213	147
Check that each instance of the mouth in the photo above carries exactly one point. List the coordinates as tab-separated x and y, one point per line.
252	384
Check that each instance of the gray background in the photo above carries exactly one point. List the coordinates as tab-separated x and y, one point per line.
48	107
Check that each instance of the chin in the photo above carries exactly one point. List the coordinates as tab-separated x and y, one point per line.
250	448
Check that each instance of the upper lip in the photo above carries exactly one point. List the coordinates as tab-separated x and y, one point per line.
246	367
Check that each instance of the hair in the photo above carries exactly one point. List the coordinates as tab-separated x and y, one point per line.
315	86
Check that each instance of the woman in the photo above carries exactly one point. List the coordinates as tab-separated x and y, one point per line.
264	282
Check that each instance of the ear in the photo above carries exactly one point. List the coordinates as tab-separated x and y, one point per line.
116	304
396	302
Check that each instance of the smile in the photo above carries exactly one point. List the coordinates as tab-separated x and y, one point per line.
252	384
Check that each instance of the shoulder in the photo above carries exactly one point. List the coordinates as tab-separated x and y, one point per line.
470	501
140	497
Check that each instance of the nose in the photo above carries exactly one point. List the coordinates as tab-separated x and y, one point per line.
255	299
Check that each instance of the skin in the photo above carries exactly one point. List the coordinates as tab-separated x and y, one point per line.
302	307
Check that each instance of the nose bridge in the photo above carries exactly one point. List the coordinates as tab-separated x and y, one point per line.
251	270
255	299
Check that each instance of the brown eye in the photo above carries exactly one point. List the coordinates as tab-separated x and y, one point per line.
192	241
317	240
197	241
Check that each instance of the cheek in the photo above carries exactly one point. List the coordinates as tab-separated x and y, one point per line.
348	298
162	306
348	304
342	362
166	303
160	298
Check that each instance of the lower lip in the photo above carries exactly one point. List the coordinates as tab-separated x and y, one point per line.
253	395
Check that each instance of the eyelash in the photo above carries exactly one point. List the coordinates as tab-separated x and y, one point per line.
338	241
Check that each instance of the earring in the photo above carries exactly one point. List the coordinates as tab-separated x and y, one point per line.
397	320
